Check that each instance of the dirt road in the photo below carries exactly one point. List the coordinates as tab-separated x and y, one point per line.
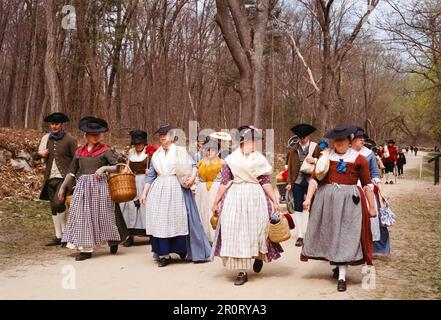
132	274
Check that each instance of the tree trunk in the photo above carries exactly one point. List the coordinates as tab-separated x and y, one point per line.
51	60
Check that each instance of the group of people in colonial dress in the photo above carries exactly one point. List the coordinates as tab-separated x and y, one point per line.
217	202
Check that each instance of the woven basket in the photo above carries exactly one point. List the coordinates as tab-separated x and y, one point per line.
122	185
279	232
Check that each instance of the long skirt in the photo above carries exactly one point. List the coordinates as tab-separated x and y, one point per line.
133	216
335	228
198	247
204	200
242	232
92	218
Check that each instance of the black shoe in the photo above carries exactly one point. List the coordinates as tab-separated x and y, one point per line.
299	242
114	249
54	242
164	262
335	273
241	278
129	242
391	182
83	256
387	182
341	286
63	244
257	266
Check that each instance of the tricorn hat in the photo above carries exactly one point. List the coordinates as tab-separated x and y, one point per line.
369	143
93	125
302	130
391	141
138	137
360	133
340	132
57	117
211	144
249	132
165	128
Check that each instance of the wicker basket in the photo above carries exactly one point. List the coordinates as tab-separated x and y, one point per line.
122	185
279	232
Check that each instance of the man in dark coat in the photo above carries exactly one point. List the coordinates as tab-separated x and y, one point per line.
58	148
302	150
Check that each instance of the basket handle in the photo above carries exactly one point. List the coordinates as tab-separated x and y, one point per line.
124	165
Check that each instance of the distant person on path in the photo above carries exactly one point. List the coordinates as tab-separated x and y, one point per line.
389	155
58	148
416	151
401	161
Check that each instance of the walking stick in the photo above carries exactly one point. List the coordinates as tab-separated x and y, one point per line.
395	173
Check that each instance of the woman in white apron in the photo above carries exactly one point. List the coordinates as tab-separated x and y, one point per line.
243	205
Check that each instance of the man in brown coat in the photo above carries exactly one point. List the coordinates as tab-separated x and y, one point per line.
298	180
58	148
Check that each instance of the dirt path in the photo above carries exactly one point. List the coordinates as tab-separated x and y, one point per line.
132	274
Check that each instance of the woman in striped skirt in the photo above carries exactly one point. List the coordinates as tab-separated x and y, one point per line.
243	205
93	217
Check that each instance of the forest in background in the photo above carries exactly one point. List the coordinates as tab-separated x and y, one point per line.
224	63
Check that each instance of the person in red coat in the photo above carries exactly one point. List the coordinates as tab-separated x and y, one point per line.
389	162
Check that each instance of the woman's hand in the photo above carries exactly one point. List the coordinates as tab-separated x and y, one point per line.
307	204
288	187
99	173
142	200
310	160
276	207
372	212
189	182
215	209
43	153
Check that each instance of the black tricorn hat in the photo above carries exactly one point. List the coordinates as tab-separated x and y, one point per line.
93	125
369	143
302	130
56	117
211	144
340	132
138	137
165	128
391	141
249	132
360	133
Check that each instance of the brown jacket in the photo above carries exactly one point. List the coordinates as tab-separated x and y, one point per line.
61	151
294	163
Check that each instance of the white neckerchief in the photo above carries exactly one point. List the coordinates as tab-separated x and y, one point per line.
135	157
365	152
350	156
163	163
248	168
305	147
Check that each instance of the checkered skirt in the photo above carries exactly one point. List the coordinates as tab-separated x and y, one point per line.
91	215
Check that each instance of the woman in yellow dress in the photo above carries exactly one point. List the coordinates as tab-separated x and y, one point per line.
208	182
